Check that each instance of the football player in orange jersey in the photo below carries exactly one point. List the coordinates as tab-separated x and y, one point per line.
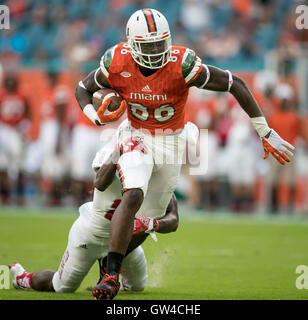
154	78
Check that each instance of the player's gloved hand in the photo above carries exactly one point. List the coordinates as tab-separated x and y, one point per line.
280	149
143	224
112	116
90	112
131	144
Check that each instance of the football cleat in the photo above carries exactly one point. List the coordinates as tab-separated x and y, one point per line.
102	270
20	278
107	289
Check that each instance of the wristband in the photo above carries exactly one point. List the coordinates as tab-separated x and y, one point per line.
230	80
261	126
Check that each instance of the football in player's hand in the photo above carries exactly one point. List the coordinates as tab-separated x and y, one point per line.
102	95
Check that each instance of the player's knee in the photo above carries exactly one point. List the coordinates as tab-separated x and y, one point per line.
66	290
62	287
133	198
133	283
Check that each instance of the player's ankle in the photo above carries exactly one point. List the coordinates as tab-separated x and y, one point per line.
114	262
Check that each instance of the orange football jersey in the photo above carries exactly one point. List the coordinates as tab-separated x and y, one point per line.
57	95
156	102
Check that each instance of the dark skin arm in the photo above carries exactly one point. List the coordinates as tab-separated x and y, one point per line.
84	96
105	174
168	223
219	80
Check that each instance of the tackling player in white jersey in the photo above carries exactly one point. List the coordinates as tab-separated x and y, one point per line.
89	237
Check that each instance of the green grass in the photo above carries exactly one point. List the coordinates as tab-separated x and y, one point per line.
218	257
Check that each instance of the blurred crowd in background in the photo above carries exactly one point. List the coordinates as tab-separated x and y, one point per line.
47	144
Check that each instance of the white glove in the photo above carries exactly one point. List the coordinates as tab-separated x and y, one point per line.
280	149
90	112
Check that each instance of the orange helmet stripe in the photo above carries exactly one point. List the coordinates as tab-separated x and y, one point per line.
150	20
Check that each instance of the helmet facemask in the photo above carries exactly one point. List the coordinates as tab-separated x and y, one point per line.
153	53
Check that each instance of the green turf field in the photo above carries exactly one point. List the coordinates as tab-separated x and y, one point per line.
209	257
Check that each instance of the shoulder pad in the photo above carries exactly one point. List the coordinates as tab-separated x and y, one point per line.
191	65
106	61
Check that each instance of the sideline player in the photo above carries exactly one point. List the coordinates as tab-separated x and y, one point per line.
55	127
89	237
15	121
154	78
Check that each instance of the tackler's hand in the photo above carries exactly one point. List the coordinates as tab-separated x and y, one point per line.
143	224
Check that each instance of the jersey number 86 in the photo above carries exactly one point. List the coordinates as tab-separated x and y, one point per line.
161	114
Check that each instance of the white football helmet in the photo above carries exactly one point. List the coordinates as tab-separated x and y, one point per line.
149	38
